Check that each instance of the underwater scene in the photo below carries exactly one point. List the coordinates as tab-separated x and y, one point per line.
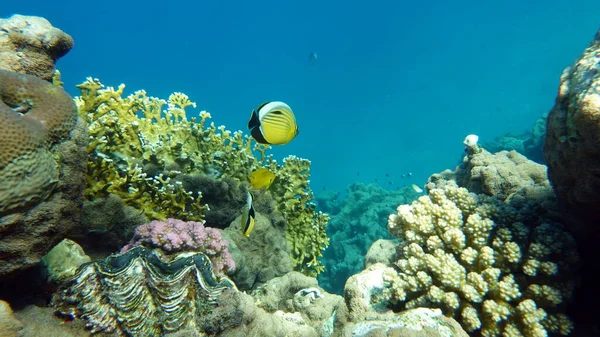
300	168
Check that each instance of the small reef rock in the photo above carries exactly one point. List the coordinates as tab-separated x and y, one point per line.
31	45
42	168
9	325
572	148
139	293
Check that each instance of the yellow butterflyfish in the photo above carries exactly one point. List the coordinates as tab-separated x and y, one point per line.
273	123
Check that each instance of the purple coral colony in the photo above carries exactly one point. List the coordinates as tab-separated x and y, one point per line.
109	227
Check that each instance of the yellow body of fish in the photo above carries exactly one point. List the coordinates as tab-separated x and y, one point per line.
273	123
261	178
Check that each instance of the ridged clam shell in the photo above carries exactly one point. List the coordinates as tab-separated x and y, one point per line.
140	293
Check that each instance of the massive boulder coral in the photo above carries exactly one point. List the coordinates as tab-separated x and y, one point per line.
471	256
506	175
42	168
31	45
572	148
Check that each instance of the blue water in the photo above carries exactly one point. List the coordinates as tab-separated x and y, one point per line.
395	88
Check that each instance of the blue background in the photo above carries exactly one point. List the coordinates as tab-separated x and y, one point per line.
396	87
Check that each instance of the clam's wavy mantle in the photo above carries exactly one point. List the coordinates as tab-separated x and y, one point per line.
141	293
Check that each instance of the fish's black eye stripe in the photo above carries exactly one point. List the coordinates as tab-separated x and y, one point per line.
258	136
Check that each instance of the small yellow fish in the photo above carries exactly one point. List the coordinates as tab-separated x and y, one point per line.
417	188
261	178
248	215
273	123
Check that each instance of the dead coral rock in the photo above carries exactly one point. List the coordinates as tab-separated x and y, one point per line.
31	45
42	168
9	325
572	148
297	293
257	322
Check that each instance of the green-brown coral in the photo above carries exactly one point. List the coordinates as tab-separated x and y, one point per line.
139	151
132	135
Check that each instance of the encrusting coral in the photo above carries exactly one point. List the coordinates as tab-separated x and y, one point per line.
471	256
146	155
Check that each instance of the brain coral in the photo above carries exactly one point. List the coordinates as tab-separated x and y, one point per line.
34	115
42	168
470	256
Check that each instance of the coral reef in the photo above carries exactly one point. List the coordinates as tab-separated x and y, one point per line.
360	221
31	45
174	235
471	256
166	165
572	145
141	293
42	168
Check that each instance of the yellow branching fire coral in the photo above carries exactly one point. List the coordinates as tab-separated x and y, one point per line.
305	234
131	136
470	256
141	146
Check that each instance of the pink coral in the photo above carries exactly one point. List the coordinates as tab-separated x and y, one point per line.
175	235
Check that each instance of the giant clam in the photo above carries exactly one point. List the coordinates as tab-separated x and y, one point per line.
142	293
